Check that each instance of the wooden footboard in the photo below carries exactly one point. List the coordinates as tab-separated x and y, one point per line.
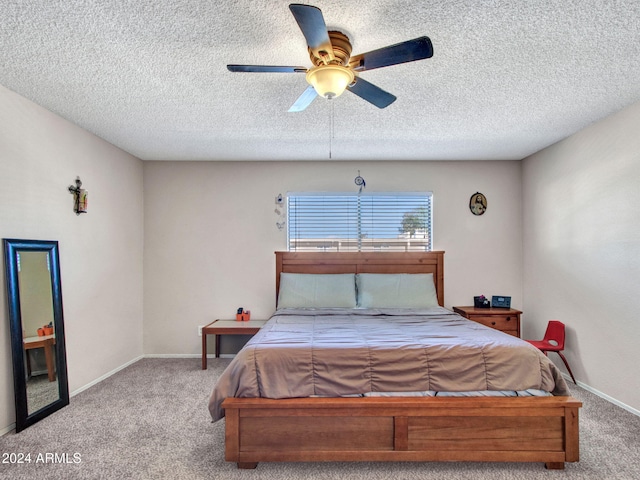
500	429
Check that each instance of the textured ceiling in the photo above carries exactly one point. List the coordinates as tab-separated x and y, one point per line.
507	78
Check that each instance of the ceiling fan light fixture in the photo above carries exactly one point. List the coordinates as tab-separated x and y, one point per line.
330	81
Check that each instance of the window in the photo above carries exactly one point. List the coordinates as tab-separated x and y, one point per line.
381	221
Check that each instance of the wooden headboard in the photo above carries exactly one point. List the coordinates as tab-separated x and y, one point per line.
363	262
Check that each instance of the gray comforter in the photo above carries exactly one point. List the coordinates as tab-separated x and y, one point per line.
337	352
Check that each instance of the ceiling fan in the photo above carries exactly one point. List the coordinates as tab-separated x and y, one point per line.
334	68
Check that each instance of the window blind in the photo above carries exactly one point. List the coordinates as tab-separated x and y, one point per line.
384	221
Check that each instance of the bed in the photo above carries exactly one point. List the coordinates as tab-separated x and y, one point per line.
391	411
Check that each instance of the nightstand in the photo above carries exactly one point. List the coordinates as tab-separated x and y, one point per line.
506	320
227	327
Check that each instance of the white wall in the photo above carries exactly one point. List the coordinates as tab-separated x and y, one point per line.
100	252
210	234
582	251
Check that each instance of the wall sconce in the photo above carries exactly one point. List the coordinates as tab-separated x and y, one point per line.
79	196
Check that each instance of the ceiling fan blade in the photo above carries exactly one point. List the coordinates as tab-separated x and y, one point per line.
314	29
304	100
409	51
372	94
265	69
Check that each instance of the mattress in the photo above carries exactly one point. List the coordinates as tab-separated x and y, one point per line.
369	352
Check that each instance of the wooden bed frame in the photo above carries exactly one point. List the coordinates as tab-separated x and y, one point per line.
496	429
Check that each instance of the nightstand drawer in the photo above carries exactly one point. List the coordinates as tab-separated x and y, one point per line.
506	320
504	323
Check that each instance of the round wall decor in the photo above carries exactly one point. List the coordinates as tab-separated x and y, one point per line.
478	203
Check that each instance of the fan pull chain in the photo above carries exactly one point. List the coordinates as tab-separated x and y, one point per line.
331	121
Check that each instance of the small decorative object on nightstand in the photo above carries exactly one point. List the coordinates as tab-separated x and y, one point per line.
481	302
501	302
506	320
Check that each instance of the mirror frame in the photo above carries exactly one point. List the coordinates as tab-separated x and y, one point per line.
11	249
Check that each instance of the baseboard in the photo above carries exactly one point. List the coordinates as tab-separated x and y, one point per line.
105	376
604	396
6	430
187	355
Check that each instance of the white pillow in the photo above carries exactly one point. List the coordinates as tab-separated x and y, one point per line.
396	290
308	290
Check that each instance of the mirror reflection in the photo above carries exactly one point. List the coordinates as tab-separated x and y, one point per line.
37	329
36	306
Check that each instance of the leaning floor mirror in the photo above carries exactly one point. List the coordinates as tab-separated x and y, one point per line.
37	329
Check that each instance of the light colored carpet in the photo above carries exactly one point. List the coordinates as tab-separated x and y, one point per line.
151	421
